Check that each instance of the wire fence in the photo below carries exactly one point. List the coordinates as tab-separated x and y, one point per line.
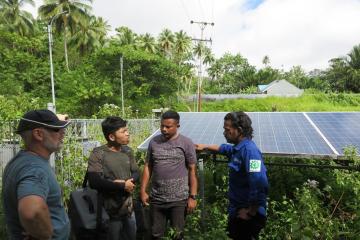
82	135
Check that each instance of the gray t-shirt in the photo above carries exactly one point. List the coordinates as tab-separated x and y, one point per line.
25	175
169	160
113	165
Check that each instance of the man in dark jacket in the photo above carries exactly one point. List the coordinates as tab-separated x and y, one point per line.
113	172
248	184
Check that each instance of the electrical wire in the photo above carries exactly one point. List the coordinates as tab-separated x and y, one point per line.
185	9
201	9
212	20
188	17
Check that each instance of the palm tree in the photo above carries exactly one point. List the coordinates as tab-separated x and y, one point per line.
102	27
15	19
208	56
354	56
90	35
166	41
147	43
182	45
76	14
199	49
266	60
186	78
203	53
126	36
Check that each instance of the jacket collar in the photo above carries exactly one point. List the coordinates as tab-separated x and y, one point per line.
241	144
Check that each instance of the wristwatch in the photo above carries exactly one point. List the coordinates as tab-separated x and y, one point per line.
193	196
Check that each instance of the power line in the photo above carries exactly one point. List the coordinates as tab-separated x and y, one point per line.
213	20
187	15
212	10
185	9
201	9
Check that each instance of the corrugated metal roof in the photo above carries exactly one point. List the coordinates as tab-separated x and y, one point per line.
262	87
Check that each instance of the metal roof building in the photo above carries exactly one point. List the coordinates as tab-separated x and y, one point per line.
280	88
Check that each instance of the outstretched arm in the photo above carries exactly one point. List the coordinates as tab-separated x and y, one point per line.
211	147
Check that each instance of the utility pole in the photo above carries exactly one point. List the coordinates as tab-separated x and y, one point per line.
122	86
49	28
199	82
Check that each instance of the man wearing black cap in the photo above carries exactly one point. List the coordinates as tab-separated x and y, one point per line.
31	195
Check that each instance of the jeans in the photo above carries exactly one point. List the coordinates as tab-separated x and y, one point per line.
123	228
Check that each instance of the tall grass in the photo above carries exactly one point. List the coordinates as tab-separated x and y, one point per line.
308	102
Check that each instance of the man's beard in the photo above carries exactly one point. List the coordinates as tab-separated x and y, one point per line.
229	140
52	147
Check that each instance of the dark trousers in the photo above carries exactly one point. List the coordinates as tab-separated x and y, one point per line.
122	228
240	229
160	213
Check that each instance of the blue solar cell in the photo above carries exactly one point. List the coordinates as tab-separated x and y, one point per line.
199	127
287	133
341	129
284	133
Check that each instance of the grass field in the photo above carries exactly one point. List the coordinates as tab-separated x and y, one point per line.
308	102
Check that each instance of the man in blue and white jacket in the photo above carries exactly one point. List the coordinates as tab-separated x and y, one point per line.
248	184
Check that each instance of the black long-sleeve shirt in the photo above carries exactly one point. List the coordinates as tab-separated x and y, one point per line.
105	166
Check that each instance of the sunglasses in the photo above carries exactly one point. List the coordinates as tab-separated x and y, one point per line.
53	129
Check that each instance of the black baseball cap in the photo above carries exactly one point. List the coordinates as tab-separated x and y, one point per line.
40	118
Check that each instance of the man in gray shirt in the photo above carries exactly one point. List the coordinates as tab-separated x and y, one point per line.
113	171
31	195
171	165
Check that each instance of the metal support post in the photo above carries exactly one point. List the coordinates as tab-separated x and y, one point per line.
202	190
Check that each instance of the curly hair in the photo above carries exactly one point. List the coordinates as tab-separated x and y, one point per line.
241	121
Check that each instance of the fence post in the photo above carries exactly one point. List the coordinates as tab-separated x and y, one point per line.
202	191
12	137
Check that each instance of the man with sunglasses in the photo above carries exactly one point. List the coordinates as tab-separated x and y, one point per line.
248	183
31	195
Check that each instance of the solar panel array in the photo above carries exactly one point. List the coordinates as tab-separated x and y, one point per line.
287	133
292	133
340	128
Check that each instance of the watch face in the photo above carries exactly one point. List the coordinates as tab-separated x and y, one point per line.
193	197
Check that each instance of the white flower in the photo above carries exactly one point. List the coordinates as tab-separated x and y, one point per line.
312	183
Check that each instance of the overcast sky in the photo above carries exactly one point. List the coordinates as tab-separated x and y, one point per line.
290	32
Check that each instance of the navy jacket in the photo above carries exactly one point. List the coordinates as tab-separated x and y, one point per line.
248	184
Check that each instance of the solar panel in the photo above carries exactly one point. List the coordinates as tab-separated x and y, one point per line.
287	133
341	129
274	132
199	127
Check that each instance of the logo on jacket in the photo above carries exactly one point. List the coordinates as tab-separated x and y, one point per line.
255	165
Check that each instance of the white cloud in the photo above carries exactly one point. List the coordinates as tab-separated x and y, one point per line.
299	32
290	32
